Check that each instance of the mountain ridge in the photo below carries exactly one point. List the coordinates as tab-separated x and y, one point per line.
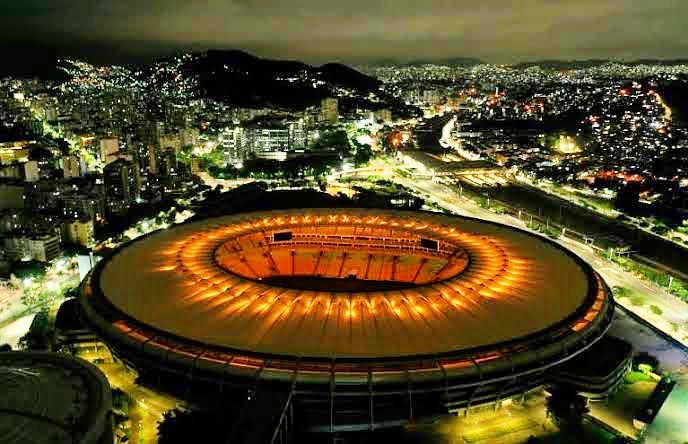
242	79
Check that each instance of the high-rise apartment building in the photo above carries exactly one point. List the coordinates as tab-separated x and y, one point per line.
329	110
122	184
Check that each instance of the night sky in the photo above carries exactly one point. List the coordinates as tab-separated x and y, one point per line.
351	31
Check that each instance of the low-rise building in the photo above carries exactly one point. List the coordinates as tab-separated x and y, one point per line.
329	110
78	232
42	248
11	195
109	149
71	167
383	115
81	204
434	166
122	185
32	172
14	151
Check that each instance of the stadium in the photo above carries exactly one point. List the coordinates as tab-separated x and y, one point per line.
359	318
51	397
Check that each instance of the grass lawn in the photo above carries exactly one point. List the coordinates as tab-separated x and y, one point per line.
496	429
632	377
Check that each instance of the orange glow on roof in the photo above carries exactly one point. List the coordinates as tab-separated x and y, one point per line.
221	273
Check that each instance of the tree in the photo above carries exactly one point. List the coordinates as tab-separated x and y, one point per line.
621	292
660	229
645	359
567	408
362	155
120	400
30	269
627	197
41	334
68	316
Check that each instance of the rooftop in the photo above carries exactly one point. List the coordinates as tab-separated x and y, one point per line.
51	398
467	283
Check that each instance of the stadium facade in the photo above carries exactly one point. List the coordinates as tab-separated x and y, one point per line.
364	318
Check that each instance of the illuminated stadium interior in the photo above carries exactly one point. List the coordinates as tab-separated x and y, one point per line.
367	257
350	302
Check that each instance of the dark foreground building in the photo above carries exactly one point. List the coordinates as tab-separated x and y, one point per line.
49	397
348	319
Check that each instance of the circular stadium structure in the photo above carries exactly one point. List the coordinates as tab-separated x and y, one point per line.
51	397
363	316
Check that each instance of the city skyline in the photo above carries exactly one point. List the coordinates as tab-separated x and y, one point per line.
356	32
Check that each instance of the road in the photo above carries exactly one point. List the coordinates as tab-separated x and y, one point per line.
670	314
549	199
669	427
447	141
224	183
11	331
149	405
22	299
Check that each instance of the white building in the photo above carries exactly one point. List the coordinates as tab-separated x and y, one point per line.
78	232
234	145
153	159
189	136
383	115
329	110
431	97
171	141
32	171
71	166
39	248
109	149
274	141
